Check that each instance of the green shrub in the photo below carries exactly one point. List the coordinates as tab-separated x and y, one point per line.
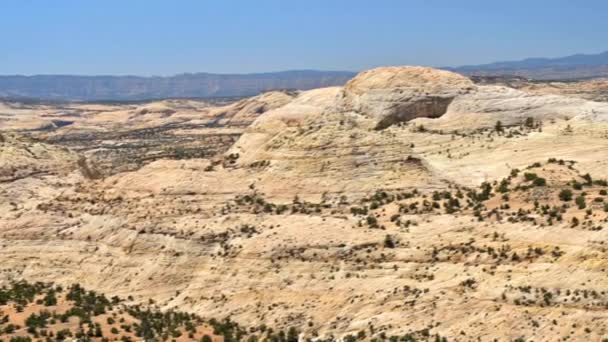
388	242
372	221
565	195
498	127
580	202
539	181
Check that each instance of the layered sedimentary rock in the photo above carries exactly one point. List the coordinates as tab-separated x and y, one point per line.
399	94
315	218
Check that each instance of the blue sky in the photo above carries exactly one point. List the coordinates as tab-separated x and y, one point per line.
149	37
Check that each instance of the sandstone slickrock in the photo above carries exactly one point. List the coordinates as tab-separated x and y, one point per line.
311	216
593	90
398	94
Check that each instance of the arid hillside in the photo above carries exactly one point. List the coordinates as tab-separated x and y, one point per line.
410	204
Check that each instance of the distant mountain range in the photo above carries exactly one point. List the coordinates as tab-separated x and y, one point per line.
198	85
579	66
205	85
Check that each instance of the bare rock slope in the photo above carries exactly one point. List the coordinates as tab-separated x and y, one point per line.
395	206
398	94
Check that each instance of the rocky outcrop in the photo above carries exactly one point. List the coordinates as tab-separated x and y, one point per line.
391	95
242	113
487	105
21	158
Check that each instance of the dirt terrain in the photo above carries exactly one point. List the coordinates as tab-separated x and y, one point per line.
410	204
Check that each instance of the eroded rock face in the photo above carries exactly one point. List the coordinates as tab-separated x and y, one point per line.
397	94
489	104
306	149
22	158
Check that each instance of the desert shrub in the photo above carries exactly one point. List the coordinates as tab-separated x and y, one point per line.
388	242
529	122
498	127
50	299
575	222
580	202
588	179
372	221
565	195
504	186
539	181
576	185
529	176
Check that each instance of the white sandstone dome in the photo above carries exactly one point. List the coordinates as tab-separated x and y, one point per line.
397	94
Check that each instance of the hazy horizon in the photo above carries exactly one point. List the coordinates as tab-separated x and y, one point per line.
155	38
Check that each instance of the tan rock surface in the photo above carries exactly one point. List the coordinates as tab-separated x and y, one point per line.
272	230
397	94
594	90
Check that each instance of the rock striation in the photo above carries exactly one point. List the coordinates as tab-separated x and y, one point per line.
391	95
321	213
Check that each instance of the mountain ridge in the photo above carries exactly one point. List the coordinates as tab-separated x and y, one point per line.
208	85
576	66
106	87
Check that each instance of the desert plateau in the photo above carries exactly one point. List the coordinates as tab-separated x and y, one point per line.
410	204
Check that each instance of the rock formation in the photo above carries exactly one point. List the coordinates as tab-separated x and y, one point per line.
320	213
399	94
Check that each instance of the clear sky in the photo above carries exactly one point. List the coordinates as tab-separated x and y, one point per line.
152	37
